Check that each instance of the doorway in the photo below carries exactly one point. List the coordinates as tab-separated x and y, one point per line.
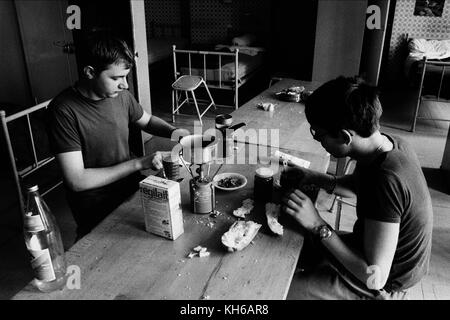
376	40
50	66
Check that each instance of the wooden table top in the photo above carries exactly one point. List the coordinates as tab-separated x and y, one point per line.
120	260
288	118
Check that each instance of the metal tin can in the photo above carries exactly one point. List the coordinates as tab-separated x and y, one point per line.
202	196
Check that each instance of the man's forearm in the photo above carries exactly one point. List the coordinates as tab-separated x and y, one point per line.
342	186
159	127
353	261
99	177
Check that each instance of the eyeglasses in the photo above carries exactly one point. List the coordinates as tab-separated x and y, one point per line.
315	135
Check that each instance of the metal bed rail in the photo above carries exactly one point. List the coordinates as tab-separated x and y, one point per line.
437	98
219	55
37	163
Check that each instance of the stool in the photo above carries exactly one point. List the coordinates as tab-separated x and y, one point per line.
342	168
187	84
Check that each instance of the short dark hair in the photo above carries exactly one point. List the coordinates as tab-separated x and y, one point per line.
101	49
345	103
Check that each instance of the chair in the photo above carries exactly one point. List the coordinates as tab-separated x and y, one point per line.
343	167
19	175
189	83
436	65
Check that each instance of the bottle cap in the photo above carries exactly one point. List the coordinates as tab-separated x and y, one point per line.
33	188
264	172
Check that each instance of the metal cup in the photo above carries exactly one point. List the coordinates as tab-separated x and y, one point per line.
171	168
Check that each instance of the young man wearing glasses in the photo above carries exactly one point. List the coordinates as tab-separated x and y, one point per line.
389	248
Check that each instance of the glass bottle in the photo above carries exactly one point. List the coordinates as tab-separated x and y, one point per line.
44	243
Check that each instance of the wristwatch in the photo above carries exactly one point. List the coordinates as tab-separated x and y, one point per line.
324	231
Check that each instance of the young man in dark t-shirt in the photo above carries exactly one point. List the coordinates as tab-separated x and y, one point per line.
89	130
389	248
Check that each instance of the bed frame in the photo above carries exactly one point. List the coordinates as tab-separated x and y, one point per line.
421	97
20	174
218	84
443	65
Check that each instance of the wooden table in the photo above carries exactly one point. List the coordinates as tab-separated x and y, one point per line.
120	260
288	119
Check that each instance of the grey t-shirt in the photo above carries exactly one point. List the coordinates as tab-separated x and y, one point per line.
393	189
99	129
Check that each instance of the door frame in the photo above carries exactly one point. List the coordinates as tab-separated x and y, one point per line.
142	76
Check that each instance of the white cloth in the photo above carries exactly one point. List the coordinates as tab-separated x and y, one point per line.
245	40
432	49
251	51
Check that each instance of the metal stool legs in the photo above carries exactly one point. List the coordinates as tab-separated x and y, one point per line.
176	105
196	108
337	199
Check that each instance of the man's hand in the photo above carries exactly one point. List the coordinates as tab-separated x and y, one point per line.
297	176
298	205
178	134
153	161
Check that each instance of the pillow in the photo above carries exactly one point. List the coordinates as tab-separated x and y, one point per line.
432	49
251	51
245	40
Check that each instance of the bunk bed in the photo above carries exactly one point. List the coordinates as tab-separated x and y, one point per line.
226	67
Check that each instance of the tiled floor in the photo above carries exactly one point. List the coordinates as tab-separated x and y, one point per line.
428	141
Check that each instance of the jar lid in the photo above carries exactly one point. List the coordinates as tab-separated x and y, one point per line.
264	172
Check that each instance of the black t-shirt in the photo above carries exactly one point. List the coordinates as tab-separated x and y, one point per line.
393	189
99	129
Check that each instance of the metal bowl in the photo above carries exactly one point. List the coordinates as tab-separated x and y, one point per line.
290	97
291	94
224	120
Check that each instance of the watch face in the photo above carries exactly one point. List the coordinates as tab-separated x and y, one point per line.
324	232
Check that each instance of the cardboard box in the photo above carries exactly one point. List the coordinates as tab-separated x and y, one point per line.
161	203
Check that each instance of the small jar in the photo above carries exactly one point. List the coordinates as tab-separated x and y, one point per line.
263	186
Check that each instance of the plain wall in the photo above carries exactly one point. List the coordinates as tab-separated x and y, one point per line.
339	37
14	86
